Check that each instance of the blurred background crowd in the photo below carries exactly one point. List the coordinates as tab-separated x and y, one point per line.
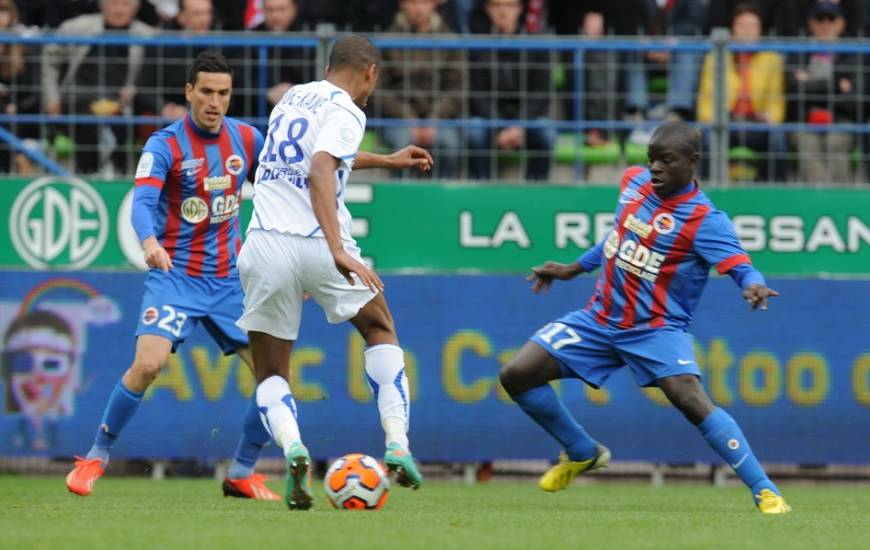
798	114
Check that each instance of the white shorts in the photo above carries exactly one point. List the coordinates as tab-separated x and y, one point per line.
276	268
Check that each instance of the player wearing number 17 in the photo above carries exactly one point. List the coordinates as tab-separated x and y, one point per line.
186	213
654	266
299	240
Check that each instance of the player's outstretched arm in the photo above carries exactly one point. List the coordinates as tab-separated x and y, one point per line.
542	276
756	295
408	157
321	178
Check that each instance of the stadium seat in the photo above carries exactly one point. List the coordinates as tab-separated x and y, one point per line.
567	149
742	164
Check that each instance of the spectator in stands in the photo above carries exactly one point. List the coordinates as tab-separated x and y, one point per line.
660	18
159	13
94	80
509	85
229	15
51	13
788	17
822	87
422	87
754	94
284	67
457	14
18	89
161	83
601	79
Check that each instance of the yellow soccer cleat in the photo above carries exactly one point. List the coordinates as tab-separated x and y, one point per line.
562	474
769	502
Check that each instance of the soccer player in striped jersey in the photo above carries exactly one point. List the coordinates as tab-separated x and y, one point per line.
186	213
299	241
654	266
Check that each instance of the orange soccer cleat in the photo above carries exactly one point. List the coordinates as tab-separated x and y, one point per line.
249	487
86	472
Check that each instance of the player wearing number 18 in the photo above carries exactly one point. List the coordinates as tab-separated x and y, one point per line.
186	213
299	241
654	266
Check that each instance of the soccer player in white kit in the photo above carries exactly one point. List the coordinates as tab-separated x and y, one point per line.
299	241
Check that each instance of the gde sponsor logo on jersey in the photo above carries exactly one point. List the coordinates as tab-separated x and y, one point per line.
58	223
633	257
194	210
224	207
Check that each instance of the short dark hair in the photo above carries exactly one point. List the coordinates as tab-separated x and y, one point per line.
684	137
748	7
355	52
208	61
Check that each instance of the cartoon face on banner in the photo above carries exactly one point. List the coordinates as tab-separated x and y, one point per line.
44	339
40	363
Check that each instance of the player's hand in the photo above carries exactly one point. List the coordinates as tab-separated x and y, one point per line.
412	157
542	276
155	255
756	295
347	266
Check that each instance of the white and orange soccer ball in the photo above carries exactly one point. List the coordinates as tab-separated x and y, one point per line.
356	482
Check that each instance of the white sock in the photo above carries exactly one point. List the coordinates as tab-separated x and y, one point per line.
273	394
385	367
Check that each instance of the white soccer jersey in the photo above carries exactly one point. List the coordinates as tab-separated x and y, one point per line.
313	117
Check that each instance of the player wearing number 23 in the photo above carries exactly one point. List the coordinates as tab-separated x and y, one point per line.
186	213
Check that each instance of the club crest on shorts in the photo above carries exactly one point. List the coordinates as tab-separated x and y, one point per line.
234	164
149	316
664	223
733	444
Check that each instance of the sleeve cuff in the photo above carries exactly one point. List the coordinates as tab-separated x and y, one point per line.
729	263
151	182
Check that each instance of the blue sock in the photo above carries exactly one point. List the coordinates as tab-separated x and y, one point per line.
121	407
545	408
726	438
254	438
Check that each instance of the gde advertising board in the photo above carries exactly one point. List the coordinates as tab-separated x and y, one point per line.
68	223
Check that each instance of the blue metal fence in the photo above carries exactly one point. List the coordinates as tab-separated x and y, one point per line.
576	48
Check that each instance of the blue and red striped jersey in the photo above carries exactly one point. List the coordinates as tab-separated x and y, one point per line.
656	260
199	176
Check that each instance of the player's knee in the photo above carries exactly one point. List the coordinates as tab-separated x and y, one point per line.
379	331
512	378
694	405
146	369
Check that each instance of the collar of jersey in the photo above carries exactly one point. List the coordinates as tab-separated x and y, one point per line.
199	131
681	195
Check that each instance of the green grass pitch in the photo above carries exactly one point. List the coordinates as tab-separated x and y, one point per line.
37	512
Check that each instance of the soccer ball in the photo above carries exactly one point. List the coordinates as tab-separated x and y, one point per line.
356	482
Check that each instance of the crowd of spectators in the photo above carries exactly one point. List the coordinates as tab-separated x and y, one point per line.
427	91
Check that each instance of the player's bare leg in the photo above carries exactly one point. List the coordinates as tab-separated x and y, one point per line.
277	407
526	378
152	353
385	367
241	480
723	434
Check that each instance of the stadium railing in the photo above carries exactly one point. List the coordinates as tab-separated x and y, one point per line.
51	142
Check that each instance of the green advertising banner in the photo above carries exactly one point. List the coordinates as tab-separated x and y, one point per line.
70	224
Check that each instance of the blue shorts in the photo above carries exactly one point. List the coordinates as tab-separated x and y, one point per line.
591	352
175	302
